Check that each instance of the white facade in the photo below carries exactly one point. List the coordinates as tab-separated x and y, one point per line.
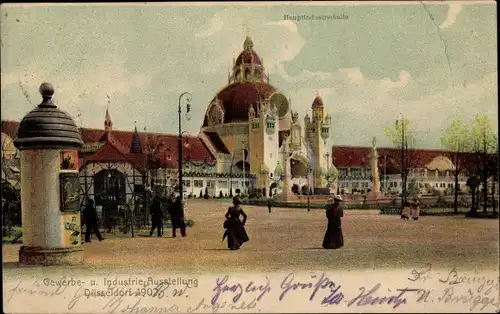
195	180
358	179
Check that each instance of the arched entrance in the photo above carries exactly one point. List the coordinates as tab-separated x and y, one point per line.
295	189
110	187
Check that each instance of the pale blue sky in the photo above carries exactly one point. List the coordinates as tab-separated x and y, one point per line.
383	60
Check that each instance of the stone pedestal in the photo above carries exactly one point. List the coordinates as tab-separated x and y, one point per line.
49	257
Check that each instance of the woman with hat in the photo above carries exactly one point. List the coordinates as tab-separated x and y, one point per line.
334	238
235	228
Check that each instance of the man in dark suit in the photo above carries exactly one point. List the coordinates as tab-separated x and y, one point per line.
156	217
91	221
177	217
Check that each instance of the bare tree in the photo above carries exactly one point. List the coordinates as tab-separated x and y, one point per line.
403	139
151	161
457	141
484	146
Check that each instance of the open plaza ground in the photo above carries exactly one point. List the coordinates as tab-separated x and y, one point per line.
290	239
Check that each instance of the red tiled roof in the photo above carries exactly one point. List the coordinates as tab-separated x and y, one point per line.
352	156
118	145
90	135
237	98
107	153
193	147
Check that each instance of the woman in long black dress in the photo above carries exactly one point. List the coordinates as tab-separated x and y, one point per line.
334	238
235	228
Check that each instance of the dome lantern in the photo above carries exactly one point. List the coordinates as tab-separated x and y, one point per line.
47	127
248	44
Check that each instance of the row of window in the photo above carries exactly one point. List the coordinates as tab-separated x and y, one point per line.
366	172
423	185
392	184
211	183
163	181
198	168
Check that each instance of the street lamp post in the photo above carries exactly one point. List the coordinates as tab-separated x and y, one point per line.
231	176
309	172
179	139
385	173
328	176
165	169
243	166
403	161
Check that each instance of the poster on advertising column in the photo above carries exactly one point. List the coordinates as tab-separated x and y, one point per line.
70	191
69	160
72	229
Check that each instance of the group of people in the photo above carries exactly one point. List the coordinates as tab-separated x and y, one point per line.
235	220
237	235
411	209
174	207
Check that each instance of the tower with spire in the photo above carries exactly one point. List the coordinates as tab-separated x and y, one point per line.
108	124
135	144
317	131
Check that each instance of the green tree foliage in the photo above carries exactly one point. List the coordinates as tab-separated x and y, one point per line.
484	138
484	142
401	134
458	142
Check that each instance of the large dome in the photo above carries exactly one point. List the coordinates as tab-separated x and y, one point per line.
237	98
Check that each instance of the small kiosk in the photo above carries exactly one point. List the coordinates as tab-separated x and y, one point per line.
48	140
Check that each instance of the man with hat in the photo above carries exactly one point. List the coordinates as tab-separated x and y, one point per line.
176	212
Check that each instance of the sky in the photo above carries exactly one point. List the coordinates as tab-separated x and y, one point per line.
431	63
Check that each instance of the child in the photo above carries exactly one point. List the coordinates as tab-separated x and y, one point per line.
405	214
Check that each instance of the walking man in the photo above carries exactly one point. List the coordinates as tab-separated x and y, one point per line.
156	217
177	217
91	221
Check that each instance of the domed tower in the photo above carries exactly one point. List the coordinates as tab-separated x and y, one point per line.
248	67
249	111
317	133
